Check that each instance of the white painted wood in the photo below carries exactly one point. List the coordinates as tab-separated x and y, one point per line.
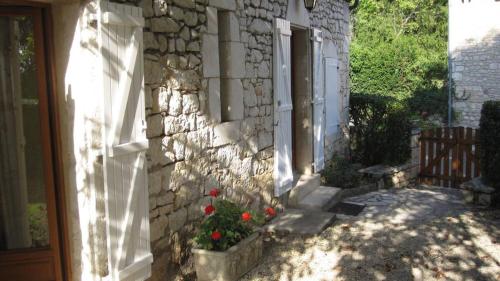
283	173
121	19
125	173
127	148
332	97
318	102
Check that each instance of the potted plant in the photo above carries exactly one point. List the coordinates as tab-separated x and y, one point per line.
227	243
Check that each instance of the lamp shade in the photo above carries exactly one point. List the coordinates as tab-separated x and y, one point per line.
310	4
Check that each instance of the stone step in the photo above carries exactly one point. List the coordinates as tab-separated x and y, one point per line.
303	186
304	222
322	198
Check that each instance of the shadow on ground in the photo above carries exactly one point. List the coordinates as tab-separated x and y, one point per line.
408	234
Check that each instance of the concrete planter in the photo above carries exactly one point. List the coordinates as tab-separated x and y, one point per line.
231	264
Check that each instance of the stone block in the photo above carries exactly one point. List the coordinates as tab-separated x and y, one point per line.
229	27
177	219
223	4
190	103
190	18
164	24
155	127
189	4
160	100
476	192
210	55
214	99
166	175
265	139
176	13
167	198
231	99
157	227
154	182
260	26
233	60
226	133
212	21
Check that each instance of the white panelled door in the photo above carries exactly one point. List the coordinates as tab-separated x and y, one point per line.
125	172
318	101
283	173
332	96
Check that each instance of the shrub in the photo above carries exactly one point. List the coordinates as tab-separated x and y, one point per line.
226	224
380	130
340	172
489	141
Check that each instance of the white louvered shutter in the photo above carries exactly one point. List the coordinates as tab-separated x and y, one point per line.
125	145
332	97
283	173
318	101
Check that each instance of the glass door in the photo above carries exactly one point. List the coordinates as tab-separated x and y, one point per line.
29	237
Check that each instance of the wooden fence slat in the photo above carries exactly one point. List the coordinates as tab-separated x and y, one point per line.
454	157
431	154
423	152
468	155
439	148
461	152
477	162
446	174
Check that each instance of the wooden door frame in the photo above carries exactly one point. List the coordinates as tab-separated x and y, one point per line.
45	51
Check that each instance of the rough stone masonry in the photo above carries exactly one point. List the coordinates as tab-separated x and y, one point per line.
191	151
474	43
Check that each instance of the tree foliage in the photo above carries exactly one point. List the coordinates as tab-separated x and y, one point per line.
399	48
381	130
489	138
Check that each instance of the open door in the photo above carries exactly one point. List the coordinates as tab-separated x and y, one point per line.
29	232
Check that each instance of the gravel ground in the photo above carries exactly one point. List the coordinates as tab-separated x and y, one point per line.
407	234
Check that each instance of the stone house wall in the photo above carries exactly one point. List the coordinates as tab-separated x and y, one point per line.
474	44
191	151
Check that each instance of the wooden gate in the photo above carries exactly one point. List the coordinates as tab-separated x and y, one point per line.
449	156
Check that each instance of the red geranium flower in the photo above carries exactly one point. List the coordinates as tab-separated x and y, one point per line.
216	235
270	212
246	216
209	210
214	192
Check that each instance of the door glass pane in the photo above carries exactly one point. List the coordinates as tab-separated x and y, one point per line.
23	212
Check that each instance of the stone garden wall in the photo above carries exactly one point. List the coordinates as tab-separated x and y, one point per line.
191	150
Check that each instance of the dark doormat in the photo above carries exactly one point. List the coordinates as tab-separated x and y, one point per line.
349	209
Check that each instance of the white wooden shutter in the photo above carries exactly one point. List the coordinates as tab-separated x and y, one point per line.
283	174
332	96
125	173
318	101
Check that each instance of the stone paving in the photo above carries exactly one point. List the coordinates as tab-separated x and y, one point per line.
403	234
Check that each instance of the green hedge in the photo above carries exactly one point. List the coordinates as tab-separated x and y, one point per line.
489	141
380	130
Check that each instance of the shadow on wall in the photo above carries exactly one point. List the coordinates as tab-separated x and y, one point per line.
475	72
79	132
177	207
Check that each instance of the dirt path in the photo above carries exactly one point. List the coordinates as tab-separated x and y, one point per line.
408	234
